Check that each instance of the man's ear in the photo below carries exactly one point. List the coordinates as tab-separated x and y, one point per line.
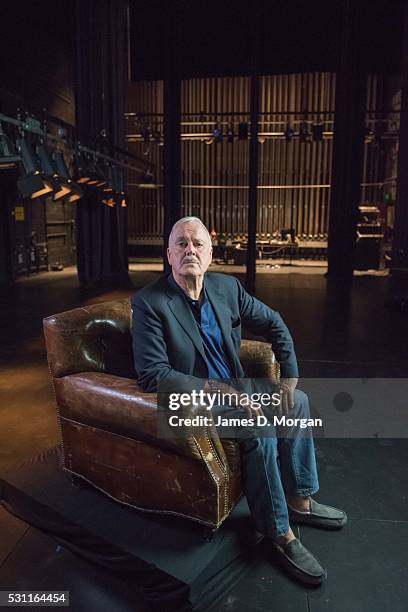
168	256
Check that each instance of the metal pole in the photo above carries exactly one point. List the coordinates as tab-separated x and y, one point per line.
253	150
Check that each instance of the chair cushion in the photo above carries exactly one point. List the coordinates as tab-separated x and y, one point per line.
118	405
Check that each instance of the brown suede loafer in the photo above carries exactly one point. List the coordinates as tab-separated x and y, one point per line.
319	515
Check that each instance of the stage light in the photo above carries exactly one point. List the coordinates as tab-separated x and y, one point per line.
60	188
288	235
157	137
103	169
368	135
114	193
108	192
83	169
65	178
120	194
217	134
146	133
31	185
101	183
99	178
93	173
243	130
8	155
89	171
304	133
148	181
288	133
317	132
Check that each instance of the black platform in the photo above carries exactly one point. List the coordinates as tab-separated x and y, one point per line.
168	559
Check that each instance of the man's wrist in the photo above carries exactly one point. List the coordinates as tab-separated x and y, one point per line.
288	384
212	385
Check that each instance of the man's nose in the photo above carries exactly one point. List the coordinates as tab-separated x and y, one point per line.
190	248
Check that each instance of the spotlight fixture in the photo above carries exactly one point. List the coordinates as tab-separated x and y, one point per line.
288	235
98	173
368	135
120	194
114	193
148	181
109	190
101	180
288	133
230	133
83	170
217	134
243	131
317	132
8	155
94	173
61	189
146	133
157	137
304	133
64	177
31	184
108	200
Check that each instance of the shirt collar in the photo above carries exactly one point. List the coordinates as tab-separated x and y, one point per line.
180	290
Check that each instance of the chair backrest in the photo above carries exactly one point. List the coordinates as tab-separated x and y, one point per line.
97	338
93	338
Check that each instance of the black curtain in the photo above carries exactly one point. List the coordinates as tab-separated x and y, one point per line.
8	197
100	79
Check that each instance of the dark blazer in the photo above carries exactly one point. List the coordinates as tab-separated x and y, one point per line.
167	345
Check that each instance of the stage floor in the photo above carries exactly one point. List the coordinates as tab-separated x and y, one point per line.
167	559
367	561
339	334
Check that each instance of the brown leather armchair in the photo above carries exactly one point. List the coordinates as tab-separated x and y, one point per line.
109	434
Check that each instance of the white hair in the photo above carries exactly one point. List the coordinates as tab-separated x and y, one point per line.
189	220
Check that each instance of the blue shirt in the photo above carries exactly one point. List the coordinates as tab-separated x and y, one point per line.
215	357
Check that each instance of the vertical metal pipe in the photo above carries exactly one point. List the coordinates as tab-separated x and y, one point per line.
253	158
172	119
348	145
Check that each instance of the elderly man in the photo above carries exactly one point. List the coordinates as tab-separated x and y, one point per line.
189	327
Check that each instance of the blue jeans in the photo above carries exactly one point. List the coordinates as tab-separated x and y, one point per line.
275	465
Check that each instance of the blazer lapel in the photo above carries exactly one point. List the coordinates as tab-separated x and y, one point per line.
217	302
185	317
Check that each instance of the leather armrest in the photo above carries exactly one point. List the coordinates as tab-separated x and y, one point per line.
258	360
119	405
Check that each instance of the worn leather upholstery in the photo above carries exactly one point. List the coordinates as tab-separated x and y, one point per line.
109	434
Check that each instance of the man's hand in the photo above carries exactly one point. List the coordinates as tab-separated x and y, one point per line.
287	388
214	386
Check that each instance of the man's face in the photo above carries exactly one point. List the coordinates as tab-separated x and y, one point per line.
189	251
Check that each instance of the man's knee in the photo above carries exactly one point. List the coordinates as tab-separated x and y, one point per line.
301	405
252	442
